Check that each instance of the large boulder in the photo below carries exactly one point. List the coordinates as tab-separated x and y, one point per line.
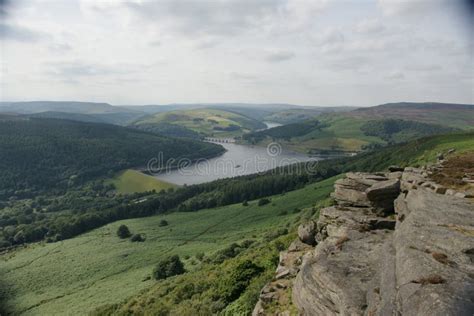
364	264
376	191
307	232
382	194
384	190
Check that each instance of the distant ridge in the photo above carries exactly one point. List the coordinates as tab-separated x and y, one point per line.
447	114
68	116
423	105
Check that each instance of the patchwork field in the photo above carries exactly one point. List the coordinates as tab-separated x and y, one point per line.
78	275
341	134
206	122
131	181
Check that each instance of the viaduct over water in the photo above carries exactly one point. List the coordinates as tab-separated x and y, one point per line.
219	140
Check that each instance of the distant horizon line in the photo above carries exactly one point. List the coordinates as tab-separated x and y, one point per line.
232	103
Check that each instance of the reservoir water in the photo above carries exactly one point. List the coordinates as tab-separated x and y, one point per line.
238	160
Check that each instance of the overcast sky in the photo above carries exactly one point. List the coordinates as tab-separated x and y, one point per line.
320	52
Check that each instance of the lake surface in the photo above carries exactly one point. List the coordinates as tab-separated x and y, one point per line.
238	160
272	124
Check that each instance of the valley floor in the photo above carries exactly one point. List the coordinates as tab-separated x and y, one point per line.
76	276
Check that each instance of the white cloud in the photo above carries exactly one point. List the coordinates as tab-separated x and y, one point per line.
279	55
396	75
424	67
293	51
372	26
409	7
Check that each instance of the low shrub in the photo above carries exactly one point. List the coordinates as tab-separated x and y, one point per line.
137	238
168	267
123	232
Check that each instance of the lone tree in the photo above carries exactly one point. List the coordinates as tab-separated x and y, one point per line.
163	222
123	231
168	267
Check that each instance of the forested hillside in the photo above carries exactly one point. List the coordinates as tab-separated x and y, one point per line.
57	218
49	154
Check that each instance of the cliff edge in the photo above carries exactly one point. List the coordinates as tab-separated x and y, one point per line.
395	243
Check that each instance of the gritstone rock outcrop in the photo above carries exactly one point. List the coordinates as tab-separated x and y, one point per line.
395	243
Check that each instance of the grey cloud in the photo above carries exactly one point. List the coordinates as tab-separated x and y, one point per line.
329	36
279	56
349	63
424	68
242	76
61	47
77	69
4	7
395	75
18	33
413	7
330	41
370	27
207	17
207	43
155	43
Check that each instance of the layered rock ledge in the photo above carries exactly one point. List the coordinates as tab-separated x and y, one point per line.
394	243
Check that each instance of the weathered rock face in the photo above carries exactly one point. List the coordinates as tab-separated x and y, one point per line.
376	191
277	293
307	232
394	244
433	272
335	277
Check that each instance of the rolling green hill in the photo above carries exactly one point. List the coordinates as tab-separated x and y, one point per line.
78	275
302	114
205	122
365	128
98	270
338	133
447	114
47	154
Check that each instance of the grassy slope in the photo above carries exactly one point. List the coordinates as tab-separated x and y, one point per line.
422	151
452	115
186	118
96	268
131	181
341	134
